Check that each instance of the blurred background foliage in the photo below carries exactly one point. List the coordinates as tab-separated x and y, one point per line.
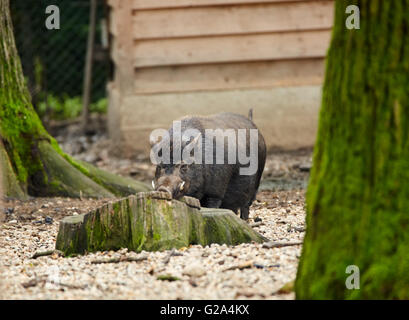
54	60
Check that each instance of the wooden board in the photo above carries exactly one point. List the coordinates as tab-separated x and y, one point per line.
123	46
309	44
113	22
226	20
155	4
229	76
286	116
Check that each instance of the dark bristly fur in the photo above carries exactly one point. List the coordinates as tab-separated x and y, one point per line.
215	185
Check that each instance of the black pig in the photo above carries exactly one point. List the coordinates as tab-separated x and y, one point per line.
216	184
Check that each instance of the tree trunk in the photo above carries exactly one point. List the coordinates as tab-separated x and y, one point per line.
31	160
151	221
358	193
2	213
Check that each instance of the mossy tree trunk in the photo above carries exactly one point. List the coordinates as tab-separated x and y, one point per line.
31	160
358	194
152	221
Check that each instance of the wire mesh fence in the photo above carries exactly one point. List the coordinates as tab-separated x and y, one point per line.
54	60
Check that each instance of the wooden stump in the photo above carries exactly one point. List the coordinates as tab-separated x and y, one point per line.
151	221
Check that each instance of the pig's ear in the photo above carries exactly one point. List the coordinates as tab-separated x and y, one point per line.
183	167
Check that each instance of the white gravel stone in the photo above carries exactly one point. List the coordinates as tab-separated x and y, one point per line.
194	270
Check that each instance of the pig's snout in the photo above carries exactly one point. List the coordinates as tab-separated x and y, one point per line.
176	189
165	189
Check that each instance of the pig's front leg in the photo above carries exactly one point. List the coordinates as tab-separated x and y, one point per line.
244	213
213	203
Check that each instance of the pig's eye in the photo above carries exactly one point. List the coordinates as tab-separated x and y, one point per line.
183	168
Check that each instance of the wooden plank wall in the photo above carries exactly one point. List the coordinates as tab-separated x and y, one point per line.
199	45
178	57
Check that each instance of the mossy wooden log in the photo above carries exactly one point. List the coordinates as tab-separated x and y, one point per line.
151	221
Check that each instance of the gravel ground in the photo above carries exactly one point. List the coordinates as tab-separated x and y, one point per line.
247	271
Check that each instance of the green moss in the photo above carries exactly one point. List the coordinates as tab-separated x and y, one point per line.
20	128
118	185
137	228
107	228
215	232
167	277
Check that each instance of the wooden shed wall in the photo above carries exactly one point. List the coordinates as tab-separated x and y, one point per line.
179	47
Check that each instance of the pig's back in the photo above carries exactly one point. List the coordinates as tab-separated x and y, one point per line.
241	190
224	120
